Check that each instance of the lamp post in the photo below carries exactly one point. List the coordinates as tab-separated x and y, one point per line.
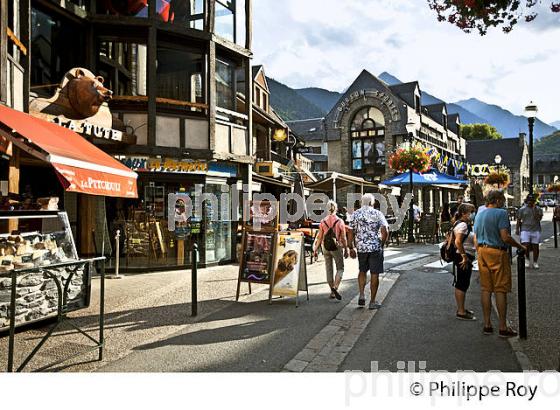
411	206
531	114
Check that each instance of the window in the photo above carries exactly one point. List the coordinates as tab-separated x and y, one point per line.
123	66
224	85
137	8
179	74
367	132
444	120
57	46
257	96
265	102
189	13
417	103
225	19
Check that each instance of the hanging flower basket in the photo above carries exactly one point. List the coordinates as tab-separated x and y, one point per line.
403	160
497	178
553	188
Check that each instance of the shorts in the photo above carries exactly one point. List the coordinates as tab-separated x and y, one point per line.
462	279
371	261
495	270
530	237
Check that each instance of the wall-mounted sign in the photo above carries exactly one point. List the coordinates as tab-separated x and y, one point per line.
382	97
280	135
84	127
145	164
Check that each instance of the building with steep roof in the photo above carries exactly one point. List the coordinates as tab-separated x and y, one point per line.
371	119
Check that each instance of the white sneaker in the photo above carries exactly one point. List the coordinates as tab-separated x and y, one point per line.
527	263
536	265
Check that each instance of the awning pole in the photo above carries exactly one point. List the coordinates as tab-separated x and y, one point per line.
334	188
362	189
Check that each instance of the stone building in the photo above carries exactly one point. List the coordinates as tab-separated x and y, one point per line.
509	154
547	171
371	119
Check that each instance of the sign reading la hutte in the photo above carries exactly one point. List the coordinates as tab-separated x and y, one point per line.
86	128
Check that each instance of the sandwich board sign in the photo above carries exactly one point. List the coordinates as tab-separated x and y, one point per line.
289	274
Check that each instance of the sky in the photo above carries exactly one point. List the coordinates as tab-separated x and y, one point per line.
327	43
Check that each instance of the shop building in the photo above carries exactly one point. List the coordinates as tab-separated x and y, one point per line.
154	84
371	119
547	172
508	154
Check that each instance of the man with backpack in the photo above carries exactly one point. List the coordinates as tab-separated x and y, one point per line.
332	235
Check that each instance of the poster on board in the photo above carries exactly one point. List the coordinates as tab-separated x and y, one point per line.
261	215
288	265
257	257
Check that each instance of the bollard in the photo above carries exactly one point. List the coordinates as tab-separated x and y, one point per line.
117	256
194	280
554	223
521	294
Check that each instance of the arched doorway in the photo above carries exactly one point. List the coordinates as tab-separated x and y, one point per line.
367	143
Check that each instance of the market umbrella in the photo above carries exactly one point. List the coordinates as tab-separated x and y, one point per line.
431	177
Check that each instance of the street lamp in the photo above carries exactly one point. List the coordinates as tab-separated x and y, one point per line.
498	161
531	114
411	206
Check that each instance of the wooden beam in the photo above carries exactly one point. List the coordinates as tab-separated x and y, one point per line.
211	87
248	24
25	27
152	85
3	51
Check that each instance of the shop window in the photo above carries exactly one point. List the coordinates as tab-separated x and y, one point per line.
137	8
224	85
368	141
58	46
123	66
186	13
179	74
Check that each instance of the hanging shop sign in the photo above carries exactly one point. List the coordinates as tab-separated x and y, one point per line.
280	135
169	165
482	170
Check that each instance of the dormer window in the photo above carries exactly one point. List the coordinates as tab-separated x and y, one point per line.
444	120
417	104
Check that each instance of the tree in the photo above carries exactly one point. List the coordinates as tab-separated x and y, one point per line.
479	132
480	15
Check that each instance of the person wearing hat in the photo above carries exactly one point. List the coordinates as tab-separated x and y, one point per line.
529	229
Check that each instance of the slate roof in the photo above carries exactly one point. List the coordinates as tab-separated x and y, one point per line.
453	120
308	130
547	164
484	151
406	91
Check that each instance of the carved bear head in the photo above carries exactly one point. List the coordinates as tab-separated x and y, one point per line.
86	92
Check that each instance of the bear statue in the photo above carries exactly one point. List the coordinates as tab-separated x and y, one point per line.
80	96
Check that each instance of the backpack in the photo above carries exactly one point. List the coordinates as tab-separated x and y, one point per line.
329	242
448	252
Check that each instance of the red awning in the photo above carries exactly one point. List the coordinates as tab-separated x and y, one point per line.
81	166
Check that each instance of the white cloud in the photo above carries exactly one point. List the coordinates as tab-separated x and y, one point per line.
326	43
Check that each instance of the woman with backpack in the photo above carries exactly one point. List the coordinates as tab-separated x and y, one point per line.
332	235
462	238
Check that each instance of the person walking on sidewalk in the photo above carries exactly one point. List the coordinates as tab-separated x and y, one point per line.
529	230
332	235
492	235
369	231
466	251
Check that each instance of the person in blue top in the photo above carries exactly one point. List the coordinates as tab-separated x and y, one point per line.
492	237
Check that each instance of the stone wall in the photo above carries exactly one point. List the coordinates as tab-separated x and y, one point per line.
37	295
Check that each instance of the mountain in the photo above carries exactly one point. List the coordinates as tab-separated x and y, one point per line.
467	117
324	99
548	145
556	124
508	124
289	105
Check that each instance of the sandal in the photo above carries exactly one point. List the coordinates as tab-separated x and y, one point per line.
361	302
509	332
487	330
466	316
336	294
